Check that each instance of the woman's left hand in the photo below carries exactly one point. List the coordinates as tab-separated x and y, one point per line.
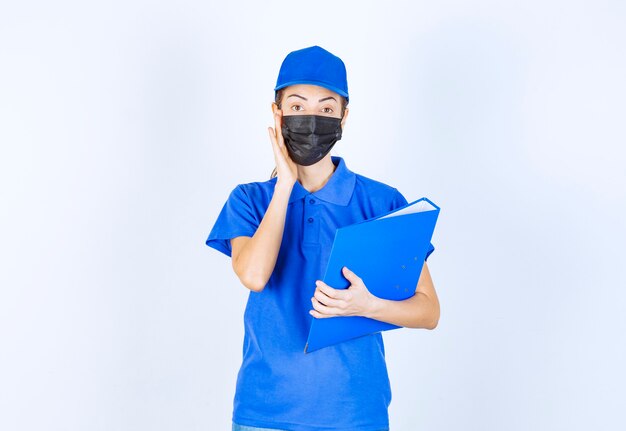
356	300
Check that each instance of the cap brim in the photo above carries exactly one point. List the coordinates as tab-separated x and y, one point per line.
318	83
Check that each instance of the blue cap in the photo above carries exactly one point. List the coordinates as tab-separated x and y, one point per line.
313	65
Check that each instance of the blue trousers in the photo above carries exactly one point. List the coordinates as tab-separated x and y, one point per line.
237	427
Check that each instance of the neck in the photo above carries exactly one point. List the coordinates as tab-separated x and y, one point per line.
315	176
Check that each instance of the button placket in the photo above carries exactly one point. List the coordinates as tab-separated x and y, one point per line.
311	220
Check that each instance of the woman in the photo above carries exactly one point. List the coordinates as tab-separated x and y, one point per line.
279	233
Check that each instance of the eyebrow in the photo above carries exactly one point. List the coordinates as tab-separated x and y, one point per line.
304	98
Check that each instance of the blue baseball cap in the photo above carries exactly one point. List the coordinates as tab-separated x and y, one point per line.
313	65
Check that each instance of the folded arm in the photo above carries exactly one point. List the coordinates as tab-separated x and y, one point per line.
419	311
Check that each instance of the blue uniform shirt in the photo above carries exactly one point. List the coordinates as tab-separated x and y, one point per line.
344	387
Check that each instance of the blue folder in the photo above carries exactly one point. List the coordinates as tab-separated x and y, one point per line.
387	252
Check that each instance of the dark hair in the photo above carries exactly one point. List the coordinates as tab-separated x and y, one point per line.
279	99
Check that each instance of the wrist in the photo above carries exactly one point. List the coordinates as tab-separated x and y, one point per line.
374	306
284	185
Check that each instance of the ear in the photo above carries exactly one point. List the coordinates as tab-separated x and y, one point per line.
345	116
274	107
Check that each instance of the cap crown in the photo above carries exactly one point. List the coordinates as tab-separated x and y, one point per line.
313	65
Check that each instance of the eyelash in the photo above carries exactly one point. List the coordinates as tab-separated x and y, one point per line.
330	110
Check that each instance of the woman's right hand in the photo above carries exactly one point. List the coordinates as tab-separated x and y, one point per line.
287	170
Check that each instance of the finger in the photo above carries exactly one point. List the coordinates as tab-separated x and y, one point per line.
275	147
278	118
278	121
317	314
330	291
326	300
272	134
322	308
351	276
277	124
279	154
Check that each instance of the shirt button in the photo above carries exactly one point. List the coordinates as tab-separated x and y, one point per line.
311	201
310	219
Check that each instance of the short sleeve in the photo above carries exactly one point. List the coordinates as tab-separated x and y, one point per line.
431	248
237	218
399	201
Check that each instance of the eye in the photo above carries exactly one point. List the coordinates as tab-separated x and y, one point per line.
327	110
296	108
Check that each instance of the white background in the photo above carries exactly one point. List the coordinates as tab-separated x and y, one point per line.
124	126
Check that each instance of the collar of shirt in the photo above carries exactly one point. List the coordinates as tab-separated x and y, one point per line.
337	190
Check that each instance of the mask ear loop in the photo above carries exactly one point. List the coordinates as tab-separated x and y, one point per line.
343	112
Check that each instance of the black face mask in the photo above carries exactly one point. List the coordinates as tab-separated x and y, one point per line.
310	137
